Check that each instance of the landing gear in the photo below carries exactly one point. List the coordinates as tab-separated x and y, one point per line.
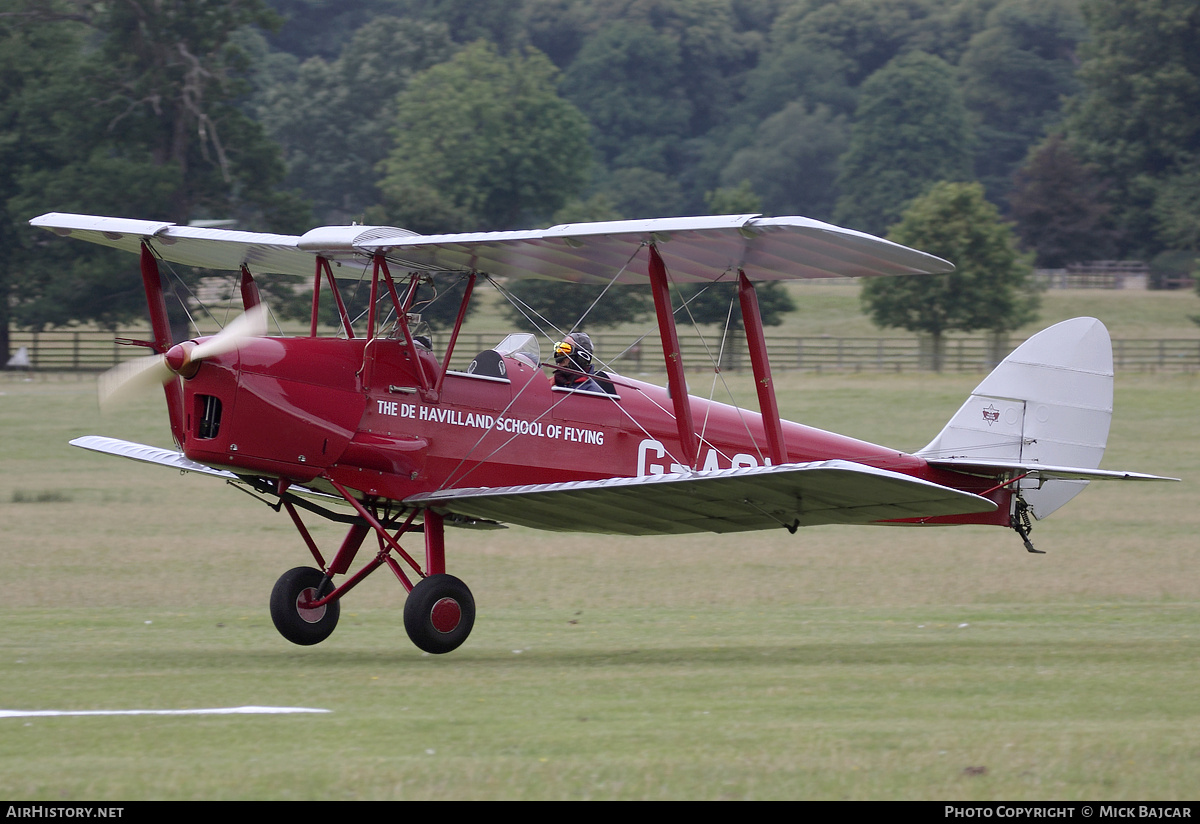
440	610
439	613
291	609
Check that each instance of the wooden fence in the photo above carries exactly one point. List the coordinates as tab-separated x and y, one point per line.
92	351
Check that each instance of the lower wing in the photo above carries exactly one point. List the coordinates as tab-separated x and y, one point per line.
729	500
148	454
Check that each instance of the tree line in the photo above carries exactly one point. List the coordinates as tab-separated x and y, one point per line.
1070	126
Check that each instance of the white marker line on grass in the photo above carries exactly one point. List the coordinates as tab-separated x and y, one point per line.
213	711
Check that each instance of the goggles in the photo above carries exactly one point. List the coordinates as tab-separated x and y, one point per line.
565	349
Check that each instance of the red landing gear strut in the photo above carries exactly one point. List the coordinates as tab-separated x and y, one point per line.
440	610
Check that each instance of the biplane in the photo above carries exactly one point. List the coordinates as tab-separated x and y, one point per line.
375	430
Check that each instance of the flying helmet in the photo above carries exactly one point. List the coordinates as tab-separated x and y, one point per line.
576	348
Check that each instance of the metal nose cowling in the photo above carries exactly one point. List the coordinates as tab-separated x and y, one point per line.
182	359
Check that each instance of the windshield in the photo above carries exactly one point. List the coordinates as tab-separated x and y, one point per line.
419	329
522	346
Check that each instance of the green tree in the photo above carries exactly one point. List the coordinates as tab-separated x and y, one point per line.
319	28
497	21
331	142
126	108
1177	208
910	131
1138	118
628	81
869	34
636	192
39	58
792	161
174	81
715	50
711	44
1059	207
557	28
483	141
990	287
1016	73
717	303
793	68
689	105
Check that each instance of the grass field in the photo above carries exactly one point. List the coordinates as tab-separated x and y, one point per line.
837	663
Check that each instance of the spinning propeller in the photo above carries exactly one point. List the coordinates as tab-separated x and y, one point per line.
182	359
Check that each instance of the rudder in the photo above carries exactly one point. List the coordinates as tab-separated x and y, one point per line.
1049	402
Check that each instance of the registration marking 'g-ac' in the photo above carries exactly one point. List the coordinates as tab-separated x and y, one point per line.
653	460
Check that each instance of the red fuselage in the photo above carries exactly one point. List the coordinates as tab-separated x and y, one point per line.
311	409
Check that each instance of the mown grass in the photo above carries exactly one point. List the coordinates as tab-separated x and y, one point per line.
836	663
966	702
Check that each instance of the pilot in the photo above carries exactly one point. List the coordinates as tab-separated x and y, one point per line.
573	359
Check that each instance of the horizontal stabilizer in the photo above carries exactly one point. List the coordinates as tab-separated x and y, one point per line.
1043	471
728	500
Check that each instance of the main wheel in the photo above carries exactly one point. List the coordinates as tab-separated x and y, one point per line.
294	619
439	613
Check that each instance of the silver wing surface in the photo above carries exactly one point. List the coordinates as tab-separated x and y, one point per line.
695	249
175	460
148	454
729	500
1038	471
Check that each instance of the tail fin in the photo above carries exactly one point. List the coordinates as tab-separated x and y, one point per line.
1047	404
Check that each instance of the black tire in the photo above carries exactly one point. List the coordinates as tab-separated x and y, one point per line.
439	614
303	626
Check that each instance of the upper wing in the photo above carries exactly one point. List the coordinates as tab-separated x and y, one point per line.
695	249
729	500
189	245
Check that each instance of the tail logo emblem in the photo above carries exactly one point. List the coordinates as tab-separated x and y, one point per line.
991	414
